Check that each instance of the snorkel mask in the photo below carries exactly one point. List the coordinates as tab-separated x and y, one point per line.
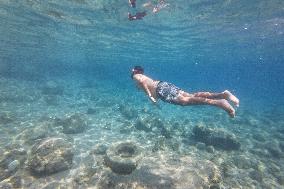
137	70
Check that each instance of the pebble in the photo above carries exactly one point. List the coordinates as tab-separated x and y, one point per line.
200	146
13	165
210	149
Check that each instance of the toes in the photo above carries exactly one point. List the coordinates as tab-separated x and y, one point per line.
232	114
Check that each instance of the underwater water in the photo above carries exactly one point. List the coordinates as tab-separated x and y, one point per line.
71	116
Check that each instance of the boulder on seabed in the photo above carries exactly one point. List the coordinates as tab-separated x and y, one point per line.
165	144
274	149
51	155
127	112
91	111
152	124
32	134
143	125
73	124
216	137
12	182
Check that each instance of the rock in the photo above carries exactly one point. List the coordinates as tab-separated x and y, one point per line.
159	145
73	124
32	134
16	154
54	184
215	186
13	165
51	155
100	149
122	157
260	152
154	124
273	169
260	167
280	179
127	112
243	162
140	124
216	137
200	146
6	185
259	137
11	162
274	149
275	152
16	181
207	171
165	132
210	149
227	169
256	175
52	88
84	176
125	130
5	174
92	111
163	143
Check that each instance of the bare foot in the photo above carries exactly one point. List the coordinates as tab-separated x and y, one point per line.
226	106
149	4
232	98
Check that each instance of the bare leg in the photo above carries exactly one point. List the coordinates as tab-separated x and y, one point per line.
224	95
232	98
221	103
210	95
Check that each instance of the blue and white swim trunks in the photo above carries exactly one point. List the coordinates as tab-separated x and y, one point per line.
167	92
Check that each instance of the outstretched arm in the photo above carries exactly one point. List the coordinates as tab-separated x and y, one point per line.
149	93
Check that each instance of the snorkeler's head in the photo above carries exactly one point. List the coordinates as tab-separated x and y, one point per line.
132	3
136	70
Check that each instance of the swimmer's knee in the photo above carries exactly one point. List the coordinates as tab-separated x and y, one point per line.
182	101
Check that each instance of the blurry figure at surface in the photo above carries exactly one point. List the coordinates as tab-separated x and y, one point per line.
137	16
132	3
156	6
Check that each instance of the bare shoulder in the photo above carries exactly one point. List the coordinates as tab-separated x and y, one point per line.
139	77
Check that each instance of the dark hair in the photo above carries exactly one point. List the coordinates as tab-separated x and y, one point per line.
137	70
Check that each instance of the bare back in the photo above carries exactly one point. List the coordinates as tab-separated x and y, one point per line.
145	83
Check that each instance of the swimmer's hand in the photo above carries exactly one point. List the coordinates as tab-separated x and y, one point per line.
153	99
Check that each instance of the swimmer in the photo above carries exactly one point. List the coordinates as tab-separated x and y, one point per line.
132	3
168	92
137	16
160	4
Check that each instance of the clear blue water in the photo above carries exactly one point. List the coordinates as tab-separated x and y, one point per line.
88	47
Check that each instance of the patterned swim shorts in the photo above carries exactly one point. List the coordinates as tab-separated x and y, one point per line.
167	92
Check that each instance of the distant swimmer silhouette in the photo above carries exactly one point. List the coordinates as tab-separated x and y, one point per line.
157	6
132	3
168	92
137	16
